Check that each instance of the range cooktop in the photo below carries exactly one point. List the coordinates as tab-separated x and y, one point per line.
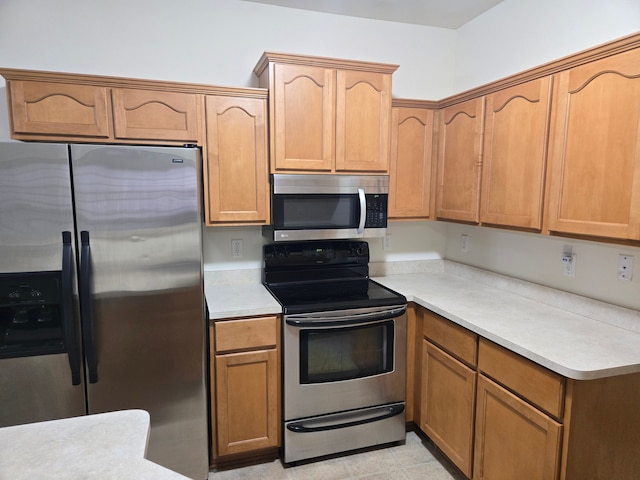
309	277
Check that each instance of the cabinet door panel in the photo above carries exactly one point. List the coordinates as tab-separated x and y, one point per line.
304	103
460	161
363	111
514	155
59	109
151	115
410	173
237	175
595	154
513	439
447	410
247	408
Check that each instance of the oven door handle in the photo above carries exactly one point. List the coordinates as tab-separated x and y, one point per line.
353	419
363	210
322	319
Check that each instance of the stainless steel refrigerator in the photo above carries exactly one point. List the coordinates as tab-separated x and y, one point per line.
101	296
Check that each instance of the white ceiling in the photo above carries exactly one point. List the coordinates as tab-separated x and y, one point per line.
433	13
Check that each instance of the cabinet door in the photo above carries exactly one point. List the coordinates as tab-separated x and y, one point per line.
448	398
237	183
514	155
59	109
513	439
595	149
363	116
304	113
247	401
410	173
460	161
153	115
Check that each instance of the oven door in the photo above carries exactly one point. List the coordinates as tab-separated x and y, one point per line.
346	360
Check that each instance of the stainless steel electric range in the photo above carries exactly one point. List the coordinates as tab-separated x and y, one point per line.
344	348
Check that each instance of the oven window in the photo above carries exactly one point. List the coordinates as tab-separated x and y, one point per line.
331	355
300	212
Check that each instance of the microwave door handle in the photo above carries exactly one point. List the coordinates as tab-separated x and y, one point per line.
363	209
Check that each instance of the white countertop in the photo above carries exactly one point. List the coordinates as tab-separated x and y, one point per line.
574	336
244	300
570	344
103	446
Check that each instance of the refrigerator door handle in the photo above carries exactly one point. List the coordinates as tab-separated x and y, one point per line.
86	307
69	326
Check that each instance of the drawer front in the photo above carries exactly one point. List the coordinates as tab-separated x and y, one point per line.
534	383
246	334
458	341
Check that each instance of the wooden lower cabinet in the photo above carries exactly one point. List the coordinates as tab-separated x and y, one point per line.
245	384
514	440
499	416
448	400
247	400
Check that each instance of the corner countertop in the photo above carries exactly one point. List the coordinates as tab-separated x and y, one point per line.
102	446
574	336
575	345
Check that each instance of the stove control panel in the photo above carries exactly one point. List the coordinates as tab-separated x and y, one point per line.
316	253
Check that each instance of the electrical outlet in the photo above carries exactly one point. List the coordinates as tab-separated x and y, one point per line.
625	267
236	248
569	264
464	243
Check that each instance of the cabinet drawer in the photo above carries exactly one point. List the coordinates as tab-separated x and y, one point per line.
456	340
246	333
540	386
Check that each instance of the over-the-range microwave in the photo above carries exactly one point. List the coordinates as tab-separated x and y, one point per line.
320	207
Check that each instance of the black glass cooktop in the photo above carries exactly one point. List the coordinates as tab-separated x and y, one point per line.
307	277
310	297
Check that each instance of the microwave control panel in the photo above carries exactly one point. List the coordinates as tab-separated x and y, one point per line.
376	211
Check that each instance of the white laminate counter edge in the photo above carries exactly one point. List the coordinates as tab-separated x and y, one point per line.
565	342
103	446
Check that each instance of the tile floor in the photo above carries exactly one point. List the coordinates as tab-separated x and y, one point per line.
417	459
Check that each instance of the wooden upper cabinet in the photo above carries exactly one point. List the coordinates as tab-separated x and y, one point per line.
58	109
327	115
154	115
514	155
411	169
363	112
304	114
595	149
460	161
237	177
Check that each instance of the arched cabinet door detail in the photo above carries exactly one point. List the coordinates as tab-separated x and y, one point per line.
59	109
515	154
237	167
327	115
303	105
363	118
411	167
595	149
149	115
460	161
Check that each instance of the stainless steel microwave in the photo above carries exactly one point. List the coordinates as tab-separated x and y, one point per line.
319	207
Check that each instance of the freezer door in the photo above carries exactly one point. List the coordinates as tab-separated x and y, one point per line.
37	292
139	224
